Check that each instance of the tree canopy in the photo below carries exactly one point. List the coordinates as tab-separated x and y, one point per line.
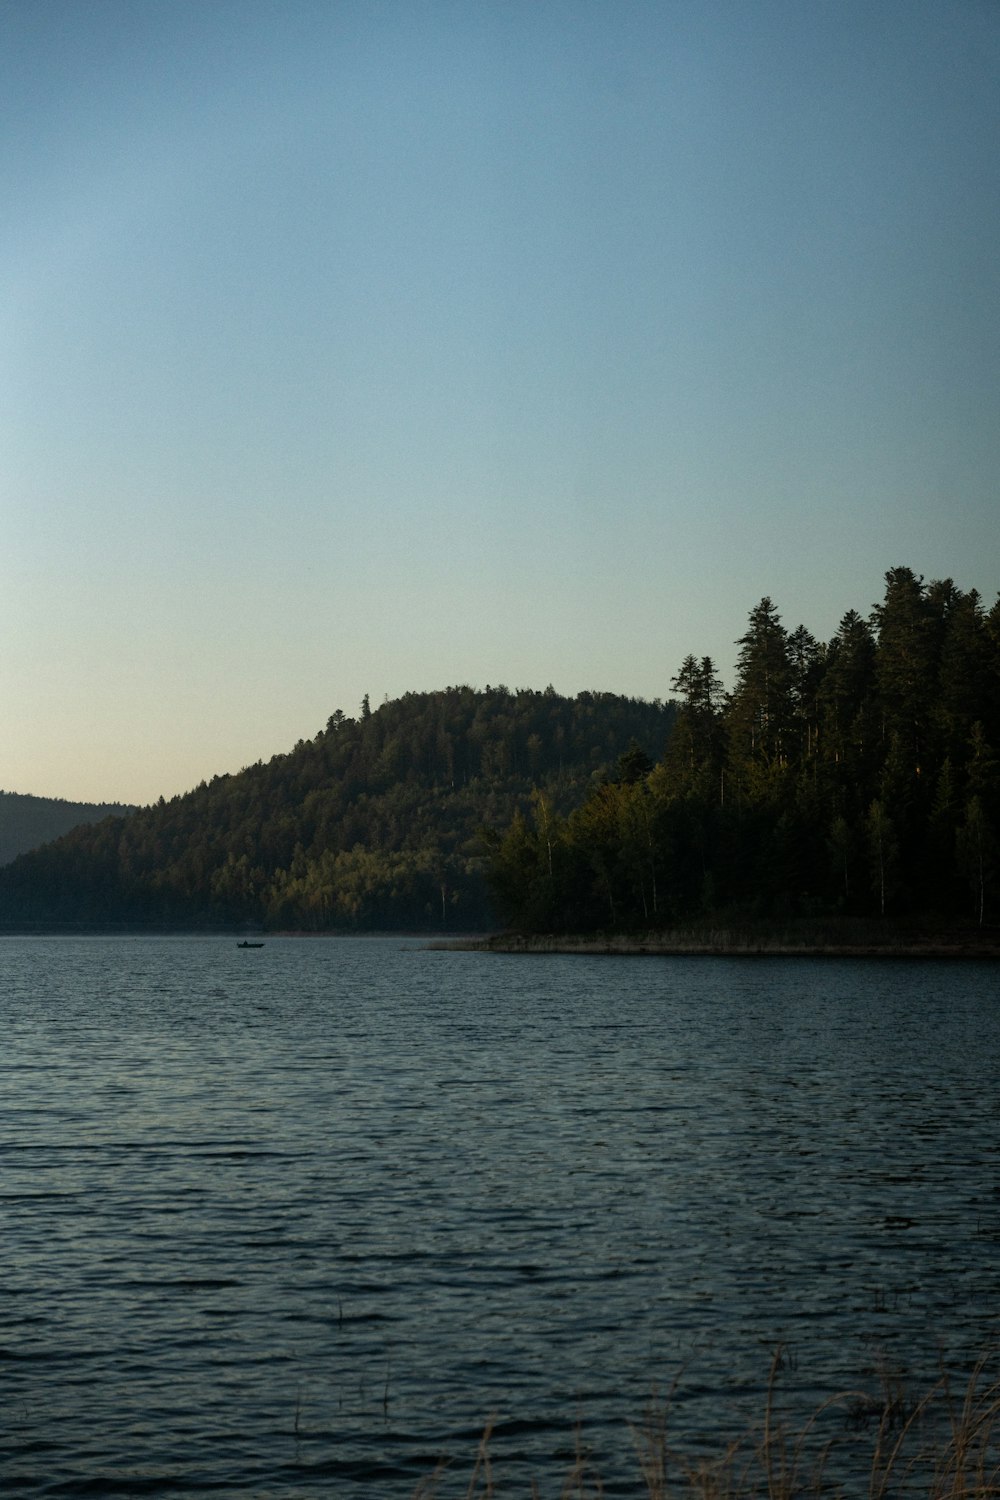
856	777
853	778
375	823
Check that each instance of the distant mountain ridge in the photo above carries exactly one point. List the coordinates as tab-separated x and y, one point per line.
27	821
375	824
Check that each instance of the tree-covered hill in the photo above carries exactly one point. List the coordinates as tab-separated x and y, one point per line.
373	824
26	821
853	778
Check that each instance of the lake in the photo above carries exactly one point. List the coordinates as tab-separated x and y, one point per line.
297	1221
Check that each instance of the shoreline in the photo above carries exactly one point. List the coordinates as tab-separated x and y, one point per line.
730	944
737	941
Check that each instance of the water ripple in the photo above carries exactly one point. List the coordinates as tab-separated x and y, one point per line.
300	1228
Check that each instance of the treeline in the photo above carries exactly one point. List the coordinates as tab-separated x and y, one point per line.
857	777
27	821
373	824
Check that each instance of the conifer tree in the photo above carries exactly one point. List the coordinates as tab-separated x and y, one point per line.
695	749
965	683
906	661
847	689
760	710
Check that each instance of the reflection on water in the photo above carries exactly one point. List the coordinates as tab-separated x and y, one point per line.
296	1221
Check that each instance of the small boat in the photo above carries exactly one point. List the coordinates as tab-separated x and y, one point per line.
245	944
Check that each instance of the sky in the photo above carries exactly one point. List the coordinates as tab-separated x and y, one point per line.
374	346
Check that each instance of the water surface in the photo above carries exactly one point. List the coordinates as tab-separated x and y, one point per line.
296	1221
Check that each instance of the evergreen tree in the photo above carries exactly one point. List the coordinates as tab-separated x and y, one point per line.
695	749
761	709
965	678
846	693
806	658
907	662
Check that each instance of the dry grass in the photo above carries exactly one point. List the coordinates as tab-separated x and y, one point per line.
942	1446
834	937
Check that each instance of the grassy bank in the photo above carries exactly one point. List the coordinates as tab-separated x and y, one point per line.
848	939
880	1443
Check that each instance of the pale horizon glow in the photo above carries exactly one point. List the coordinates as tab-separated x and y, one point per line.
366	347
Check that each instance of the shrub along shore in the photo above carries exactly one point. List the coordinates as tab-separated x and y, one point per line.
885	1442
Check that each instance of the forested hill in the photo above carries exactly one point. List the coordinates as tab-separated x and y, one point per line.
27	821
373	824
857	777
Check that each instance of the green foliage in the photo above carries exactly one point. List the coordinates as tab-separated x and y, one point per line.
376	823
856	778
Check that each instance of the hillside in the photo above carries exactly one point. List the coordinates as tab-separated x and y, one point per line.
374	824
26	821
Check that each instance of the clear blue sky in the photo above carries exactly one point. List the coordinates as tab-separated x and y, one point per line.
368	347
